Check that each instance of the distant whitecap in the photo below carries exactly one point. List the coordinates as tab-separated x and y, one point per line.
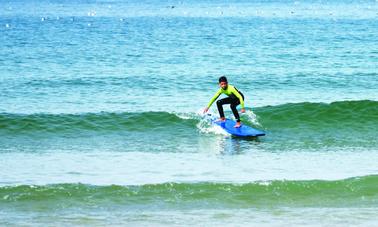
92	13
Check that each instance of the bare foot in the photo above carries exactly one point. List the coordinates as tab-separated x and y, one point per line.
238	125
222	119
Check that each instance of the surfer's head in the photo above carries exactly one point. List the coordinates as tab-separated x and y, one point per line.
223	82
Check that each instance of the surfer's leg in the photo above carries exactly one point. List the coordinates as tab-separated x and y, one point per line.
235	102
220	104
235	111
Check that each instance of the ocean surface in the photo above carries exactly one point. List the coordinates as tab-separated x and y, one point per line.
101	113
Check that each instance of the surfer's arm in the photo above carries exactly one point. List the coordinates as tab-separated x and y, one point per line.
219	92
237	94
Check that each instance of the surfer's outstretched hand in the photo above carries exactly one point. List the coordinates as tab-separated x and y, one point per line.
206	109
242	110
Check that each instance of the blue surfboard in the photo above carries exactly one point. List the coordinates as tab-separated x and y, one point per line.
243	130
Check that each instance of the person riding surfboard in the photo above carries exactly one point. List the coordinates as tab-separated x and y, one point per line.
235	97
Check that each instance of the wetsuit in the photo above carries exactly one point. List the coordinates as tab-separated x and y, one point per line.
234	98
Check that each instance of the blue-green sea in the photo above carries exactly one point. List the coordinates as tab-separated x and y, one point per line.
101	119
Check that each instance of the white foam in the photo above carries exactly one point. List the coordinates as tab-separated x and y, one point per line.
252	117
186	116
205	121
205	125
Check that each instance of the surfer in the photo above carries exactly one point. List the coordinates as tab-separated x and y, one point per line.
234	98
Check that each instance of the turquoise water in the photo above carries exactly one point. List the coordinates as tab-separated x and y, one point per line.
101	102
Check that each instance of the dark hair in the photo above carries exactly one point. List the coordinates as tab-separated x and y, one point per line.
222	79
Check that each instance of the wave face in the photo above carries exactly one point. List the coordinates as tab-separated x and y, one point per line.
89	122
352	192
358	115
314	125
346	123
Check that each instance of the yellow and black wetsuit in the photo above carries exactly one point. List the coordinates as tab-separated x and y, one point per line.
234	98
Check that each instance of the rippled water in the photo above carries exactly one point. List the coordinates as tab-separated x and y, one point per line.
101	124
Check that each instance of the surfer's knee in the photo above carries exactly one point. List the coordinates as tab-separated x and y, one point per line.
219	102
